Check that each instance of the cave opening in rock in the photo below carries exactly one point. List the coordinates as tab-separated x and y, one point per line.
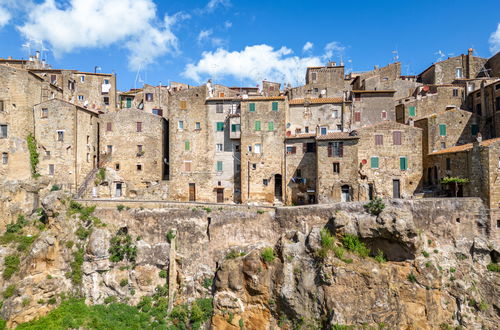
393	250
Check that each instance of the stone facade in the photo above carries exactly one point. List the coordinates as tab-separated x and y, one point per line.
485	103
322	81
371	107
133	148
301	175
322	115
67	141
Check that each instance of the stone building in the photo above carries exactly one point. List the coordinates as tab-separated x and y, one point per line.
20	90
321	114
262	149
131	99
133	146
493	66
371	106
457	67
485	103
95	91
67	142
322	81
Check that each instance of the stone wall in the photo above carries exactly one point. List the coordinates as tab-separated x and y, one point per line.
371	107
300	177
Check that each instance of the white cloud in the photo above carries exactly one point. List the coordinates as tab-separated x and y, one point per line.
333	48
228	24
204	35
495	41
132	24
252	64
213	4
4	17
307	46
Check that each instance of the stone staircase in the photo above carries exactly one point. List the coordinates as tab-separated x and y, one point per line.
91	176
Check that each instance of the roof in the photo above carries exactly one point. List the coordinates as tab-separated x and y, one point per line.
337	136
374	91
464	147
223	98
132	91
265	98
301	136
69	103
317	101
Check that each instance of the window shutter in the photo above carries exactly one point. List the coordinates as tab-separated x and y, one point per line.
294	150
403	163
357	116
412	111
341	149
257	125
442	129
219	166
109	127
139	126
374	162
233	128
474	129
330	149
186	145
275	106
396	138
251	107
270	126
220	126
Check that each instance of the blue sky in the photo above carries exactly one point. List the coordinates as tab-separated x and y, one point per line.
242	42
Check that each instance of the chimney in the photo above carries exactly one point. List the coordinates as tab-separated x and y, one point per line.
37	56
471	52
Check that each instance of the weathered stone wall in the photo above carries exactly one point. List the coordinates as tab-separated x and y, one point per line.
370	107
301	174
313	116
444	72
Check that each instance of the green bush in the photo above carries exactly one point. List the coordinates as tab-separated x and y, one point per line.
16	227
170	236
11	264
375	206
327	239
55	188
260	212
412	278
52	301
85	212
425	254
109	300
267	254
163	273
25	242
207	282
380	256
493	267
34	156
100	176
207	209
354	244
82	233
76	273
120	207
121	248
233	254
9	291
124	282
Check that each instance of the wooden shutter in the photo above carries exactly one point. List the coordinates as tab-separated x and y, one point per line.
270	126
275	106
139	126
396	138
251	107
442	129
257	125
304	147
183	105
341	149
403	163
379	140
412	111
330	149
374	162
109	127
357	116
187	145
187	166
294	150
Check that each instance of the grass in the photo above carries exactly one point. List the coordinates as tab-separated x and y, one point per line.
170	236
9	291
76	273
124	282
268	255
163	273
233	254
82	233
120	207
354	244
493	267
412	278
380	257
11	264
207	283
425	254
16	227
260	212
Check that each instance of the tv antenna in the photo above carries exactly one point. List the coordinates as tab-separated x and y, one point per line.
395	55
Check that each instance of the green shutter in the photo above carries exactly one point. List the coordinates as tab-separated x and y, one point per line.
220	126
474	129
374	162
233	127
129	102
219	166
442	129
257	125
412	111
270	126
275	106
251	107
187	145
403	163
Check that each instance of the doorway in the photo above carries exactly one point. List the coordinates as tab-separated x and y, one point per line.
118	190
220	195
277	187
396	189
370	191
192	192
345	193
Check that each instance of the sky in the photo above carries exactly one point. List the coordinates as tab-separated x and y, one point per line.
239	43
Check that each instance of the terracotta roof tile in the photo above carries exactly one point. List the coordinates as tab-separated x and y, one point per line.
464	147
374	91
265	98
317	100
301	136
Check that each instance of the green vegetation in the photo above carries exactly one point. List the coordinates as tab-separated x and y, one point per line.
412	278
354	244
34	157
82	233
493	267
428	264
85	212
70	244
52	301
454	180
241	323
11	264
460	256
375	206
9	291
100	176
124	282
267	254
425	254
163	273
207	283
76	273
380	256
13	228
452	270
260	212
122	248
207	209
109	300
170	236
55	188
120	207
233	254
483	306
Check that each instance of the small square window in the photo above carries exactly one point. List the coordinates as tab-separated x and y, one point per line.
82	78
265	182
109	127
51	169
257	149
139	167
139	126
149	97
183	105
60	135
45	113
4	131
254	166
218	147
198	125
117	166
81	98
237	147
219	108
336	167
47	153
180	125
5	158
106	81
109	149
106	100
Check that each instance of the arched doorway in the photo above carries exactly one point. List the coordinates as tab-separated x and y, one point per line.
345	193
278	187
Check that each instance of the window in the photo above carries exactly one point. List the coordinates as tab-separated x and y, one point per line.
443	145
140	150
218	147
275	106
396	138
254	166
219	166
109	127
448	164
379	140
458	73
498	162
139	126
60	135
158	112
265	182
403	163
339	127
455	92
270	126
106	81
4	131
53	78
219	108
187	145
149	97
235	127
474	129
306	129
257	148
497	102
237	147
187	166
180	125
412	111
374	162
335	149
298	130
139	167
257	125
291	150
71	85
183	105
357	97
45	113
88	157
117	166
5	158
51	169
442	129
82	78
316	90
497	86
357	116
106	100
309	147
221	94
220	126
336	168
197	125
478	109
313	76
129	102
1	106
335	114
323	130
251	107
383	115
81	98
249	148
47	153
109	149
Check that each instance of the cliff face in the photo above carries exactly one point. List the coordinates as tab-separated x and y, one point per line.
264	268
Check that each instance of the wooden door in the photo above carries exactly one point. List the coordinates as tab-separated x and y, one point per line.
220	195
396	189
192	192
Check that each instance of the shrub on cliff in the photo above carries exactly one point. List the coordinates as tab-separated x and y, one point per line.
267	254
375	206
11	264
122	248
354	244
